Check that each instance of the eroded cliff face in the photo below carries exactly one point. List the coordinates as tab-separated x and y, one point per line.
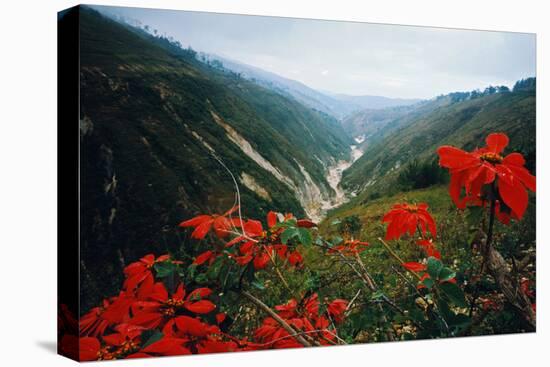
316	197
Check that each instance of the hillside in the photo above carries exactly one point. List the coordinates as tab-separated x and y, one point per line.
153	121
443	120
366	125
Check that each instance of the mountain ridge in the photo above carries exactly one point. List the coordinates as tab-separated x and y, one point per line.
334	104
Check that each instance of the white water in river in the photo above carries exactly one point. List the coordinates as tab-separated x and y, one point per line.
334	176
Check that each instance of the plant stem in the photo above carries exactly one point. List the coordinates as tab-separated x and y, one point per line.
396	257
277	318
279	274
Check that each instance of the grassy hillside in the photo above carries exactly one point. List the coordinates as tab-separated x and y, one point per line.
416	135
152	119
455	233
370	123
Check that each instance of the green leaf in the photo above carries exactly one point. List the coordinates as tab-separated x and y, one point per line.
201	278
150	337
319	242
215	269
377	295
446	274
305	237
288	234
428	282
337	240
434	267
258	284
454	293
335	222
165	269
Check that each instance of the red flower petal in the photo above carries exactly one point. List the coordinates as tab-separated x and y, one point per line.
194	327
202	258
88	348
168	346
196	221
414	266
200	232
261	261
271	219
253	228
200	307
497	142
222	226
305	223
454	158
514	195
199	293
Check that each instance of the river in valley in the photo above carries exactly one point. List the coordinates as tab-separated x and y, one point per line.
334	176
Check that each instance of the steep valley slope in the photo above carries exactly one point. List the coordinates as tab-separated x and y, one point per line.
156	122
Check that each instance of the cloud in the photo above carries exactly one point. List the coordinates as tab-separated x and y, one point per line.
363	58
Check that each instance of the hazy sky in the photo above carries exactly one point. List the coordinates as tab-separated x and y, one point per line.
354	58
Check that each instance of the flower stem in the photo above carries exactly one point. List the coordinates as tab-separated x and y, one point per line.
396	257
277	318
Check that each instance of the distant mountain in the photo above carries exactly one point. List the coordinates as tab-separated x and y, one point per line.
405	136
366	125
374	102
336	105
154	122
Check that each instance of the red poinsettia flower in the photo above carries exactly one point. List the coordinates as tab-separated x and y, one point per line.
89	348
336	309
429	247
303	317
349	248
204	223
256	244
295	258
140	271
113	311
254	229
198	336
403	218
124	342
260	255
472	170
161	307
93	323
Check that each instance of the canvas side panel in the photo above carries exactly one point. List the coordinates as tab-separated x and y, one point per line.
68	181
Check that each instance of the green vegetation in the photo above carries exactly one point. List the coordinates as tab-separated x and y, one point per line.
442	121
147	135
418	175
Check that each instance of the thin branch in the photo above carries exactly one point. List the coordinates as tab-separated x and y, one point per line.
279	274
277	318
396	257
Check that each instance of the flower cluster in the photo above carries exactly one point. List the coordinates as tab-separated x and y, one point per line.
306	319
408	219
147	319
156	316
254	243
